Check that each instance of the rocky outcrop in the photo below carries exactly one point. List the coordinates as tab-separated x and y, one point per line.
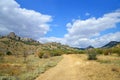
12	35
27	39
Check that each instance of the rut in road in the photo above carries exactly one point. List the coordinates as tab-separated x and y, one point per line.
67	69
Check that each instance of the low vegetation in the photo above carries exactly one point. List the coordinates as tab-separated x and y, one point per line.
110	59
13	68
92	55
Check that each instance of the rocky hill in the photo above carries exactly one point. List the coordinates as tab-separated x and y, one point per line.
16	45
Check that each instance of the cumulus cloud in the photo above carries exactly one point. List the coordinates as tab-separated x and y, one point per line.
24	22
81	32
96	42
100	41
92	26
52	39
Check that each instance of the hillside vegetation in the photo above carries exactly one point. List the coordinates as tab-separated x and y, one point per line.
25	58
15	45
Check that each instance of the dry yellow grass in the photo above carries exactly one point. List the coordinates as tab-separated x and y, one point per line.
96	71
15	67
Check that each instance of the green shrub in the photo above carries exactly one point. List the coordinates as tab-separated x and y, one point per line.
40	54
116	50
99	51
54	54
92	55
46	55
8	53
107	51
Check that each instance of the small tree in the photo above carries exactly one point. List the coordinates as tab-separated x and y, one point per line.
117	51
99	51
92	55
107	51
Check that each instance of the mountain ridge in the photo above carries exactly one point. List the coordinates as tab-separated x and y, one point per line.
111	44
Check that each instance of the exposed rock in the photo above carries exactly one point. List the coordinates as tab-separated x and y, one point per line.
28	40
12	35
17	38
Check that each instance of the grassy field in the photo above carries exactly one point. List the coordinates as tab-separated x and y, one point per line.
15	68
104	68
110	60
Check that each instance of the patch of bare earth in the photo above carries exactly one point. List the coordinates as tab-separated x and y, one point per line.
75	67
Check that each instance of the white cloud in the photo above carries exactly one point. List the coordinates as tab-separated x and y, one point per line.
81	32
27	23
52	39
100	41
92	26
96	42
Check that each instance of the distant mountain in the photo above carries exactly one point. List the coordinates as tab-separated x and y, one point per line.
89	47
78	48
111	44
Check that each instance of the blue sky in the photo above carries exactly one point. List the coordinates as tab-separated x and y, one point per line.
78	23
64	11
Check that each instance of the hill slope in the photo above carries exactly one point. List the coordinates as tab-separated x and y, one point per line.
16	45
111	44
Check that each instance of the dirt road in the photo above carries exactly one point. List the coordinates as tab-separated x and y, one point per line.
73	67
67	69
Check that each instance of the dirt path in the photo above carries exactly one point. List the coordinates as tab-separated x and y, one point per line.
75	67
67	69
